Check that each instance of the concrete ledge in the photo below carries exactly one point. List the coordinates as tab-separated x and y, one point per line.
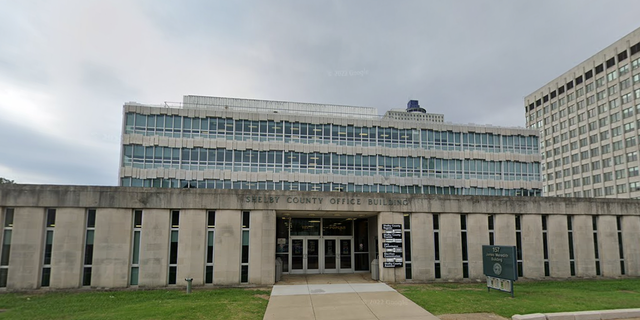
582	315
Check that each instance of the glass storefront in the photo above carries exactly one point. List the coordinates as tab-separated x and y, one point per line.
323	245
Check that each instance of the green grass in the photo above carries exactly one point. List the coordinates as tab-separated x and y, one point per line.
530	297
153	304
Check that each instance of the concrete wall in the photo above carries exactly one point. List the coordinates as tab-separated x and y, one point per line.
192	240
113	233
68	245
154	248
262	247
112	248
228	246
27	248
532	247
422	250
477	236
391	275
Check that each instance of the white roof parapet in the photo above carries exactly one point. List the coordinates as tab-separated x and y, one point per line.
200	102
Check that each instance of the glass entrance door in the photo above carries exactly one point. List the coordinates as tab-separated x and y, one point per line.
345	256
305	255
337	255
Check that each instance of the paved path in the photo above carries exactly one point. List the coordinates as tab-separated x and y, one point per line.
339	298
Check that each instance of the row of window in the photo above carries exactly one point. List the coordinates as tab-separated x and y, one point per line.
327	187
611	75
593	117
308	133
556	110
138	156
595	192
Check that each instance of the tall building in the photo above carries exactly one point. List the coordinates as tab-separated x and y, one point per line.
226	143
589	125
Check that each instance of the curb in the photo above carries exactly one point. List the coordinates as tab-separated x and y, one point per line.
582	315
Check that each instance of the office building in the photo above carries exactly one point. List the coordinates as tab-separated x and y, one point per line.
589	121
227	143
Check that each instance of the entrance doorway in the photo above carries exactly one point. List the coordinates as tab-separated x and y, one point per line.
311	255
323	245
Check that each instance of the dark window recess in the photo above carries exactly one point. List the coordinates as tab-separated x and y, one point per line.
599	68
531	106
635	48
578	80
561	90
538	102
588	75
527	109
245	219
569	85
553	94
622	56
611	62
545	98
175	218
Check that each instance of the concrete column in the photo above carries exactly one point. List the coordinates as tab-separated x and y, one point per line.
558	244
389	275
450	247
631	244
154	247
262	247
584	254
27	248
532	247
228	247
192	240
112	248
504	229
68	248
422	250
608	243
477	236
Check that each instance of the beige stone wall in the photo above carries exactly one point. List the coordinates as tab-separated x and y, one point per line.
27	248
112	248
113	233
154	248
228	246
422	250
68	245
192	244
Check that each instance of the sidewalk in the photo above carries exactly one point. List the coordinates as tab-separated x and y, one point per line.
339	297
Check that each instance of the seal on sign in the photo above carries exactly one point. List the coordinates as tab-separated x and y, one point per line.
497	269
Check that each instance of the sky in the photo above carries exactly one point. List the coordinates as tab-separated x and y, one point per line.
67	67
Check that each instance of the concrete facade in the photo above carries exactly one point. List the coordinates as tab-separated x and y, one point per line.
588	122
616	219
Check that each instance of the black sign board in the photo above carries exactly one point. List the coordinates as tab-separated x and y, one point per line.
386	245
392	254
392	237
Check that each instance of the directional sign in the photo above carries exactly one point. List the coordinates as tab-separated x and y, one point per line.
392	244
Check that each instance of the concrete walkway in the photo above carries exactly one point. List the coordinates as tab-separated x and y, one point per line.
339	297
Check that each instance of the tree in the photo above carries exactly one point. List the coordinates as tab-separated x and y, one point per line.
6	181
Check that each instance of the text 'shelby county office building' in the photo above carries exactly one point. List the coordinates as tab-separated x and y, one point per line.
233	185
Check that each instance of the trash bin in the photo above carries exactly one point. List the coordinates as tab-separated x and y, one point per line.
375	270
278	269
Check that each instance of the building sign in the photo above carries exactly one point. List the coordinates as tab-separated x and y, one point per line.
392	245
500	266
352	201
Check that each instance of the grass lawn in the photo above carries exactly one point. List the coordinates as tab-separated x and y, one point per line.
530	297
225	303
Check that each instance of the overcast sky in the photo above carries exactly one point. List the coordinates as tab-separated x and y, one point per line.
67	67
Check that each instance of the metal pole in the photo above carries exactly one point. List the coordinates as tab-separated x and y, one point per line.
189	280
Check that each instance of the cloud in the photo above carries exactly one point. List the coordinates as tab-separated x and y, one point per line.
67	66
